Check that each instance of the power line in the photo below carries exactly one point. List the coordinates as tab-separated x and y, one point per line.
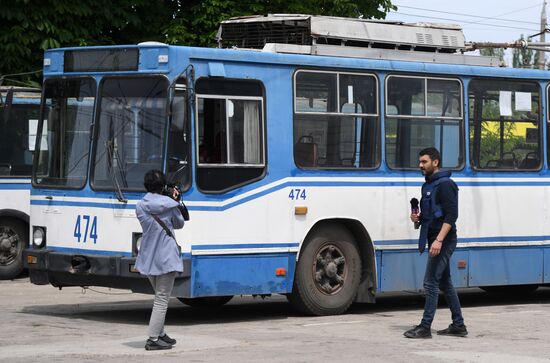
473	16
515	11
467	22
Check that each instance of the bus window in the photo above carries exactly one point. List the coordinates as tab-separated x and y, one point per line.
130	131
423	112
335	120
504	121
18	125
230	133
62	150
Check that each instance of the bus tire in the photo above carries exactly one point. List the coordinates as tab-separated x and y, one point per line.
328	272
14	238
206	302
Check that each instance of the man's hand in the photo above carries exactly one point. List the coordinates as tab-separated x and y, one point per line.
435	249
415	217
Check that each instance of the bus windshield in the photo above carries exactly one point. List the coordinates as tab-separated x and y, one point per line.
130	133
62	150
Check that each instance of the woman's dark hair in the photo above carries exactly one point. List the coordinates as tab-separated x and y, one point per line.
154	181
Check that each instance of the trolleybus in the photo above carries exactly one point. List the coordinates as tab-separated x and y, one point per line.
296	146
19	109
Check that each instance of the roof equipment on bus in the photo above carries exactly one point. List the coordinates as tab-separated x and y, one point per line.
349	37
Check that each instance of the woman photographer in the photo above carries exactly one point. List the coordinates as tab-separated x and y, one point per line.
159	256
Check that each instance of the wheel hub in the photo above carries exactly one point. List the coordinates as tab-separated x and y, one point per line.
8	245
4	243
329	269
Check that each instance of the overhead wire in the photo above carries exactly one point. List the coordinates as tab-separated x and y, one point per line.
497	18
466	22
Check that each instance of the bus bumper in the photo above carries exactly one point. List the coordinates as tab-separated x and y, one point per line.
65	269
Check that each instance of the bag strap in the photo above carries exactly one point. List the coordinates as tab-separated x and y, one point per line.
163	225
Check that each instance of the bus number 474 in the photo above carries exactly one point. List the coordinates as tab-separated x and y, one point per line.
84	230
297	193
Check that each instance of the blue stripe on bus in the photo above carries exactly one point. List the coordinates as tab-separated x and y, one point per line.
83	204
87	252
242	246
15	186
469	239
298	184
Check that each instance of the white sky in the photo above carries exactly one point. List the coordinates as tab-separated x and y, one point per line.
481	20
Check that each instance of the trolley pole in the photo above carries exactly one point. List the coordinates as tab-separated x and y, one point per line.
541	56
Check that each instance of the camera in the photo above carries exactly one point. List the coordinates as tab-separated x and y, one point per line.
169	192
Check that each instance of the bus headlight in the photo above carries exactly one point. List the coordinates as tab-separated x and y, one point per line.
38	237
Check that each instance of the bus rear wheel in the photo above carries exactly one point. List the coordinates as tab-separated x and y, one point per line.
13	240
328	272
206	302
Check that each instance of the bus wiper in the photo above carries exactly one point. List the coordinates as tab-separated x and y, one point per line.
110	153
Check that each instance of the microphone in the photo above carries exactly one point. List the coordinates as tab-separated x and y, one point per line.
415	210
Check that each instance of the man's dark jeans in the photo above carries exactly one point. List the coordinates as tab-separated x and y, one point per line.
438	277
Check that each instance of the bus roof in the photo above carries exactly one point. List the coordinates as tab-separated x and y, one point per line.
160	58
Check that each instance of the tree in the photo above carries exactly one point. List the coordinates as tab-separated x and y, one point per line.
493	52
30	27
523	58
196	21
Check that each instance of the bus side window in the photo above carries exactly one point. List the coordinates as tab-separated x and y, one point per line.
230	133
504	125
423	112
339	111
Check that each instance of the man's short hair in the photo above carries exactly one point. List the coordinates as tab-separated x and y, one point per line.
432	152
154	181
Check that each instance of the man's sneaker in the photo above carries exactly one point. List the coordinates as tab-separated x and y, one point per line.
157	345
165	338
453	330
418	332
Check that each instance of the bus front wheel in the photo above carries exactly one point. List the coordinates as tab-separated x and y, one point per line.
328	272
13	240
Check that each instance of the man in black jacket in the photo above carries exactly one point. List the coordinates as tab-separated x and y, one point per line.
439	212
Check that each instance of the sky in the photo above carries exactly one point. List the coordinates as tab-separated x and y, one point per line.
481	20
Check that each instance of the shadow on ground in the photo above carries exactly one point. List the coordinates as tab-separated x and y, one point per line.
248	309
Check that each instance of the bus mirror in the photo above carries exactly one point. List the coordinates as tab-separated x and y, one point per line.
7	103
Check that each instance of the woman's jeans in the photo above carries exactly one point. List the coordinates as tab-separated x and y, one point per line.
163	285
438	277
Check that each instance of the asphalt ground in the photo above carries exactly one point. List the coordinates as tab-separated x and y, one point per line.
42	323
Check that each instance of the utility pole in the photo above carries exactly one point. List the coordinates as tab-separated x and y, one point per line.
541	55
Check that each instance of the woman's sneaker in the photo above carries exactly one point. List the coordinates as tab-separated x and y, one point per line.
158	344
165	338
453	330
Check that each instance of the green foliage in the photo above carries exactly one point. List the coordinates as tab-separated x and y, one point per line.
30	27
523	58
493	52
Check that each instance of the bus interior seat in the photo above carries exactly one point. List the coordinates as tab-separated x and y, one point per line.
349	162
492	164
305	152
508	160
5	169
392	110
531	161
